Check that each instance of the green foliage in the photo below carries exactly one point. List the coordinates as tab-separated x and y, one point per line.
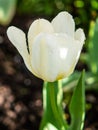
77	106
82	10
53	117
7	10
93	47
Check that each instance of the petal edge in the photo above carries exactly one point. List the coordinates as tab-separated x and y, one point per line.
18	39
64	23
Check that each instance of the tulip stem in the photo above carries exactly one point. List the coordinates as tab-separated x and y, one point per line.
53	113
55	98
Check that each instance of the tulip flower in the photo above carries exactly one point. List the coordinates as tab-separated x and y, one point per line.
53	48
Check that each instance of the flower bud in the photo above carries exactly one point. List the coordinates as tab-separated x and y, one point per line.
54	47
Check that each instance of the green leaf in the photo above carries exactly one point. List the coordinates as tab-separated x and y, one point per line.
77	106
53	116
7	10
71	81
93	47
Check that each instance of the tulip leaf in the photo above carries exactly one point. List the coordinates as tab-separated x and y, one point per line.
7	10
53	116
71	81
77	106
93	47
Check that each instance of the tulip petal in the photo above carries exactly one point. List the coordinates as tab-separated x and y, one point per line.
79	35
18	39
38	26
64	23
54	56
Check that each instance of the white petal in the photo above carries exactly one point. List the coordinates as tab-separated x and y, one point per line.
64	23
79	35
54	56
38	26
18	39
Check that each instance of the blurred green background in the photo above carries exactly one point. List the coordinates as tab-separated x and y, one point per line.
83	11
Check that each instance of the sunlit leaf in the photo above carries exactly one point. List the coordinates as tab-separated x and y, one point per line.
93	47
77	106
69	82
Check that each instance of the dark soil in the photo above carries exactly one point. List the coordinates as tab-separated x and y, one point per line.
21	92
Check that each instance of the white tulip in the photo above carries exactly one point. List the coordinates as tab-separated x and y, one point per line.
54	47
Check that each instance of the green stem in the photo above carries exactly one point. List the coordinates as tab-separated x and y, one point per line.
54	105
53	113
